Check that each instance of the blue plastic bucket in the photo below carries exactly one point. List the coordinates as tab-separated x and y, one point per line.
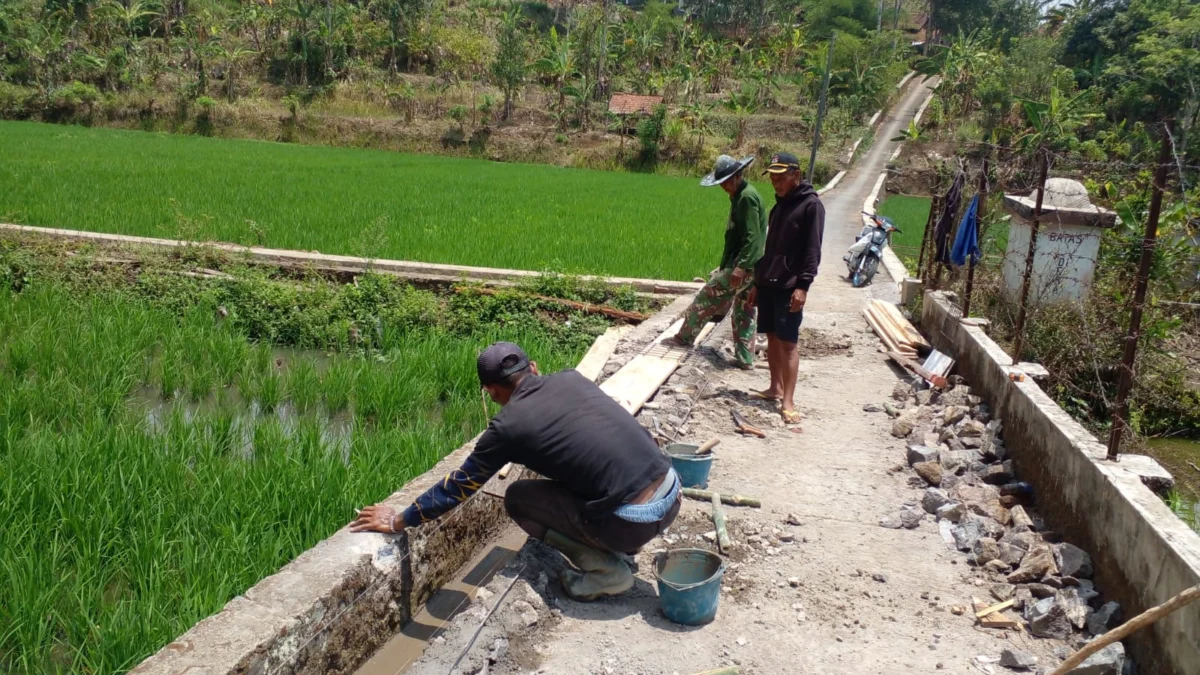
692	468
689	584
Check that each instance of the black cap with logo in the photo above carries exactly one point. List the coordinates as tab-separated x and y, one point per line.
782	162
499	361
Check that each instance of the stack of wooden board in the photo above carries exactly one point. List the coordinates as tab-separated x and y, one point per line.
897	333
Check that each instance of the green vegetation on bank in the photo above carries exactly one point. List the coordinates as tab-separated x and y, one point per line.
164	446
358	202
521	81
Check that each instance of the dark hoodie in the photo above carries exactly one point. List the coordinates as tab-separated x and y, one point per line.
794	232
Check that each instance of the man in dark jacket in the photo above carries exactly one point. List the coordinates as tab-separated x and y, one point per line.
729	285
784	275
609	489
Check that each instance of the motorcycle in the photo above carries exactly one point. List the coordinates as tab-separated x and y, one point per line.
862	260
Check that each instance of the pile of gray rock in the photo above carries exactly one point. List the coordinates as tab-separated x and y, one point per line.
956	449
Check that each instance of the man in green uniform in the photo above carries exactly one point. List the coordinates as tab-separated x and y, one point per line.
728	287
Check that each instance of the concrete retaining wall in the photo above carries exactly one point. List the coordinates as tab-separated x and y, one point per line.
330	609
1144	555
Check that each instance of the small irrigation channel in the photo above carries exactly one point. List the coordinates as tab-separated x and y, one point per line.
170	437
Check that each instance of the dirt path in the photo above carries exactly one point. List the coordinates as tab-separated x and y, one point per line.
844	595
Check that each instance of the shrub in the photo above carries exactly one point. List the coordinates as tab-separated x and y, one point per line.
14	101
72	102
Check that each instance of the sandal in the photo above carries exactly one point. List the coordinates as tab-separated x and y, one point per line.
790	416
762	396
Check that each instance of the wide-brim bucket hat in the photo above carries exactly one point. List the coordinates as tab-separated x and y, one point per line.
725	167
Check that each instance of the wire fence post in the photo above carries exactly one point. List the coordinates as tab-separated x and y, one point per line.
1023	304
922	269
983	195
1120	416
812	158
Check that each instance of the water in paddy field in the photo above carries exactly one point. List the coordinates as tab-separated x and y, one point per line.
1181	456
227	407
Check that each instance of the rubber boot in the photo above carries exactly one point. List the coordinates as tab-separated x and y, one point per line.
603	573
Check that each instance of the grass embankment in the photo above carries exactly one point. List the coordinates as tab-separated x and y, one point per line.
156	460
360	202
910	215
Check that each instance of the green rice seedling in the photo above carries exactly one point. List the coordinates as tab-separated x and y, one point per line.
337	384
318	198
120	533
270	390
303	384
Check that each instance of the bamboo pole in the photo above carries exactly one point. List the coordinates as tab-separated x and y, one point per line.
1129	627
1120	413
732	500
1022	307
718	516
922	269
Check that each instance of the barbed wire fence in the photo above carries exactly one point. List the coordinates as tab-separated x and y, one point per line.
1083	290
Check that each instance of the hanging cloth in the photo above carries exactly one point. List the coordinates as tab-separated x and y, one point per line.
966	242
941	231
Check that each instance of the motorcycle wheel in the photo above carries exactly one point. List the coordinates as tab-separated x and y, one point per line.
869	268
857	278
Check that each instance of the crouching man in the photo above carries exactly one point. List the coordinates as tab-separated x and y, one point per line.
608	489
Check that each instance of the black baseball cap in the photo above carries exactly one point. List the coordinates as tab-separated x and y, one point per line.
491	362
782	162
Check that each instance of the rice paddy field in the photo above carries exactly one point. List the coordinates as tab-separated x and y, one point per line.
165	443
360	202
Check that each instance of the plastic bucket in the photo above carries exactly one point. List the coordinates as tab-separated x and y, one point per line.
689	584
692	468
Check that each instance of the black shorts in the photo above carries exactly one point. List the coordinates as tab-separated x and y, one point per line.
775	315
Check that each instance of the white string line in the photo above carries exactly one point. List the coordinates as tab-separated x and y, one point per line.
384	577
479	629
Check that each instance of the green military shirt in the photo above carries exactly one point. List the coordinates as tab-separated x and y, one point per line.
746	232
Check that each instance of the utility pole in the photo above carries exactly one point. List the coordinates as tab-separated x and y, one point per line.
812	158
1025	282
600	86
983	195
896	16
1120	417
879	21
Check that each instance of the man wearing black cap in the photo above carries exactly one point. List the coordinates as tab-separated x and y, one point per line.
608	488
784	275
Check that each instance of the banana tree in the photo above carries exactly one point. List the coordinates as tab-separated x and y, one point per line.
558	63
742	103
580	92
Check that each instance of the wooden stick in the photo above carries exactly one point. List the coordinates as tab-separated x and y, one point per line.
731	670
708	446
994	608
611	312
732	500
718	516
503	473
937	380
1120	632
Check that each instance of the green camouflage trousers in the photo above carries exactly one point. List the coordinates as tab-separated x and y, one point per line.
716	299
